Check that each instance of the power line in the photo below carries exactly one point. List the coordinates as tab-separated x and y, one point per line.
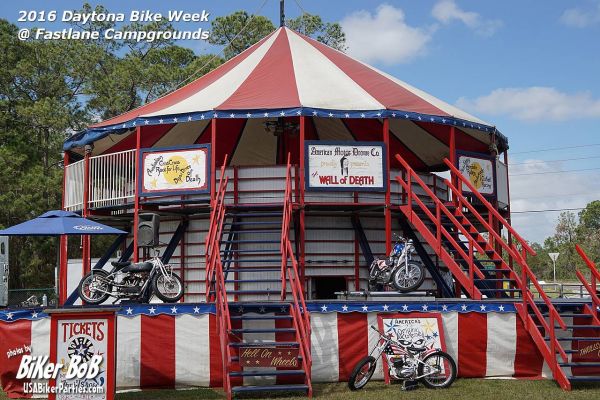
556	148
558	195
554	161
548	210
557	172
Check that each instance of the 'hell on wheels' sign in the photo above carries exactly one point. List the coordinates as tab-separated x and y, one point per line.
284	357
351	166
182	170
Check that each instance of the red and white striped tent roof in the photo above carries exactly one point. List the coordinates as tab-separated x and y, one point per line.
288	75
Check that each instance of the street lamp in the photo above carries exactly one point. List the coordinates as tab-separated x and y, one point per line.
553	257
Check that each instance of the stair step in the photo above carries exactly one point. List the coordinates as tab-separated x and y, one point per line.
499	290
584	378
265	330
260	317
257	291
252	223
280	388
495	279
250	241
241	251
571	315
243	231
253	280
253	260
255	214
580	364
578	327
567	338
264	344
251	269
268	372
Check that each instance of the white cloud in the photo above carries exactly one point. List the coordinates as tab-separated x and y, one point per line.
547	191
534	103
580	18
384	36
447	11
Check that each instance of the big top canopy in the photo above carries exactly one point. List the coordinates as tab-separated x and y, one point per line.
288	75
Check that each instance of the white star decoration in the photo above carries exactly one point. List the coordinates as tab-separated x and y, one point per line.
282	114
190	118
240	309
405	308
482	307
160	121
344	308
146	122
124	125
152	310
362	115
444	308
385	307
501	308
34	314
406	116
266	114
394	115
324	308
365	308
248	115
201	116
196	310
330	115
134	123
129	311
379	114
174	310
314	113
298	112
9	315
425	307
463	307
232	115
347	115
443	120
262	309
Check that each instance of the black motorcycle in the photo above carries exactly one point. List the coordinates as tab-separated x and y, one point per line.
129	280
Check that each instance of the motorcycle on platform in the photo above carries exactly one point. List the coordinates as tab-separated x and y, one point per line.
398	269
408	360
127	280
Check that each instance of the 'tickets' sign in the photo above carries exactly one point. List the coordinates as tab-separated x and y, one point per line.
174	170
269	357
352	166
84	345
479	170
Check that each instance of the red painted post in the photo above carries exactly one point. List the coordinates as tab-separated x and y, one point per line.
136	204
388	210
85	239
452	145
302	222
64	257
213	157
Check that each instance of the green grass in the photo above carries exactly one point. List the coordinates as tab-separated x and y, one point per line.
488	389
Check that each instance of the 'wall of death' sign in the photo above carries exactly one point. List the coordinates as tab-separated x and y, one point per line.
351	166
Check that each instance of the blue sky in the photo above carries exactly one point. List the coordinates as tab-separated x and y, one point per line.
529	67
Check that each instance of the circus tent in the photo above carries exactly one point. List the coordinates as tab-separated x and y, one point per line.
284	76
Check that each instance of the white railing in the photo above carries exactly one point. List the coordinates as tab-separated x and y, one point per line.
112	179
74	186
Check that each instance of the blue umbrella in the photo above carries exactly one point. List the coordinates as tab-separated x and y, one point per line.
58	222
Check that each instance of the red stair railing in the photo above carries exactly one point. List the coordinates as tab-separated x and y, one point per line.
592	286
298	310
215	279
495	219
215	228
467	282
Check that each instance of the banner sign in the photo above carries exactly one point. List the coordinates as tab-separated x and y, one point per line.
269	357
83	351
182	170
415	330
351	166
480	170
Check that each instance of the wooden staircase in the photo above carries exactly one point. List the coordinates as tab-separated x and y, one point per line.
268	308
465	233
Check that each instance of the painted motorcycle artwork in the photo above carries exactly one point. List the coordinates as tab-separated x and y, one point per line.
398	270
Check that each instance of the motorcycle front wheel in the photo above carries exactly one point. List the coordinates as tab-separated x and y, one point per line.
93	286
362	373
408	281
440	369
168	289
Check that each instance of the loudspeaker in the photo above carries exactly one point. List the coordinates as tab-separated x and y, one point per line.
148	230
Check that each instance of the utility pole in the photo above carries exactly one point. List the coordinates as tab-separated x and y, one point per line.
281	12
553	257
